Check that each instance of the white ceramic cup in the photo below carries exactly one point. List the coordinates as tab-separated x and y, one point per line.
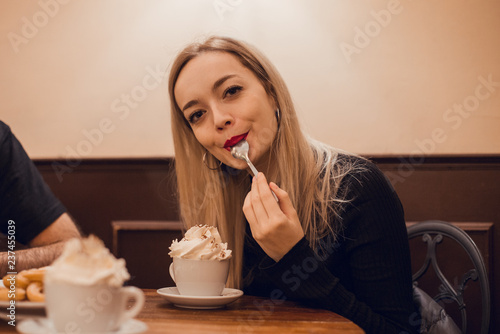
90	309
199	277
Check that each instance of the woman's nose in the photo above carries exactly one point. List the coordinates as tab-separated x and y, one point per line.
222	119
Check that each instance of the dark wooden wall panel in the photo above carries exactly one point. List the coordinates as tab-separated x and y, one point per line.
458	189
97	192
145	246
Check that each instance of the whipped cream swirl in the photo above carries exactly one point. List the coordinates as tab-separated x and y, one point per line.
201	242
87	262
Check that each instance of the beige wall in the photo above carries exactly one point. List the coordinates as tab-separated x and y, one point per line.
372	77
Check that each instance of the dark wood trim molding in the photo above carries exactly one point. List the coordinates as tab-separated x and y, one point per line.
378	158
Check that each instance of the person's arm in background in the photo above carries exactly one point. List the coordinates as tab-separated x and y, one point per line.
33	222
44	248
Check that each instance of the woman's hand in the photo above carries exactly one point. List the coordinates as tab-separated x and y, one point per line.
275	226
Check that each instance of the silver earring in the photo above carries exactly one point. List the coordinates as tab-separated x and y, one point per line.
206	164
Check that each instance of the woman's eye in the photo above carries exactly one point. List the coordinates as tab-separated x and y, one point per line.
195	116
232	91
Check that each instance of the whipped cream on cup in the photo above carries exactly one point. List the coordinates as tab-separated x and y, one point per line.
87	262
201	242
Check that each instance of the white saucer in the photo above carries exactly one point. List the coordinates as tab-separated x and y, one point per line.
44	326
200	302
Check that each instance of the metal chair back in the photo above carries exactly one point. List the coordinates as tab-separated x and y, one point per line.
432	232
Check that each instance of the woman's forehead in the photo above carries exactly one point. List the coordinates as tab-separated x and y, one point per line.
211	63
205	69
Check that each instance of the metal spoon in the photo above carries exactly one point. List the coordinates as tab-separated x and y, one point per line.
240	151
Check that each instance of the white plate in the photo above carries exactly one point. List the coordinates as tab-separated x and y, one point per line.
200	302
44	326
23	308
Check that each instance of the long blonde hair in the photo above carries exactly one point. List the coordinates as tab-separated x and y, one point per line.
306	169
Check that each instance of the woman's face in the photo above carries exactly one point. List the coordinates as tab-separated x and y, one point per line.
224	102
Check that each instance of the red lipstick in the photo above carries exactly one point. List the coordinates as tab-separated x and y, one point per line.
234	140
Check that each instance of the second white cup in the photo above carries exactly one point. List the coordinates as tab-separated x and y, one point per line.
90	309
199	277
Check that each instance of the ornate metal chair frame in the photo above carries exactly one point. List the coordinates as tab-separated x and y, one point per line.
447	291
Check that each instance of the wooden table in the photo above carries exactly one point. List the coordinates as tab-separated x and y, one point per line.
246	315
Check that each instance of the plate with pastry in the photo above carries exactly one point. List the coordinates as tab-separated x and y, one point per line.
22	294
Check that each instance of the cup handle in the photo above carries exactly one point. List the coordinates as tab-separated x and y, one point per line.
131	292
171	271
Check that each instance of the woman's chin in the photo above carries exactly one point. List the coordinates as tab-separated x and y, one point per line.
240	165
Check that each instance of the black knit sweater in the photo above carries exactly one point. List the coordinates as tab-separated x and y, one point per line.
364	276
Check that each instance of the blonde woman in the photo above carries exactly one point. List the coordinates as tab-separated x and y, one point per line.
336	238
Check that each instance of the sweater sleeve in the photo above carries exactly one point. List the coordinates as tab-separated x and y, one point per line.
365	275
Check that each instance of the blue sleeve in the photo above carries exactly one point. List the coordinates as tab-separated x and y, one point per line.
25	198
